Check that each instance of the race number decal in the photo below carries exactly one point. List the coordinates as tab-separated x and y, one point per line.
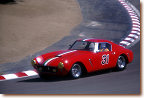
105	59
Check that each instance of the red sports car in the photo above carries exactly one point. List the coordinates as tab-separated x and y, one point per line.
83	56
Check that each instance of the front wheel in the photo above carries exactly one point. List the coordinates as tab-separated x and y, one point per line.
76	71
121	63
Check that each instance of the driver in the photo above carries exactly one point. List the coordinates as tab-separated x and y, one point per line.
104	48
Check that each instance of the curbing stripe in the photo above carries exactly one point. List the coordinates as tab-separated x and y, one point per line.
132	35
135	32
125	42
18	75
30	73
134	17
136	26
2	78
134	22
9	76
121	44
130	39
21	74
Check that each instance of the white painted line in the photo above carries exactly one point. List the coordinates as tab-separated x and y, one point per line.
124	4
130	11
132	40
128	8
138	34
134	17
136	26
132	14
125	42
10	76
122	1
18	75
30	73
136	22
132	35
134	32
137	29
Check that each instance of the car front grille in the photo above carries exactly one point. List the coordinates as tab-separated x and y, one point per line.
47	69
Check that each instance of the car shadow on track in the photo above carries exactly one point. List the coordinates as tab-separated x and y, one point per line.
67	78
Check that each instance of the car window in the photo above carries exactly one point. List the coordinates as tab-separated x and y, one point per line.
108	46
78	45
104	47
91	46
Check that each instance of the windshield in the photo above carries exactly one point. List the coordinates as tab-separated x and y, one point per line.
84	45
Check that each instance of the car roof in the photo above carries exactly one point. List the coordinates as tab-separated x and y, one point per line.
96	40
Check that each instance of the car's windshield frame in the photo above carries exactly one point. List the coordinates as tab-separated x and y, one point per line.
86	48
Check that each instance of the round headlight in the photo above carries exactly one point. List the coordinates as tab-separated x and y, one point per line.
39	59
33	62
60	65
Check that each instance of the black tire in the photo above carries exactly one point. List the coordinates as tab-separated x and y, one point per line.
121	63
76	71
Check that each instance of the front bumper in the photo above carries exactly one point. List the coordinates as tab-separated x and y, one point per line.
50	70
47	69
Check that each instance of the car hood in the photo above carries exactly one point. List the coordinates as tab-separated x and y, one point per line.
61	53
57	56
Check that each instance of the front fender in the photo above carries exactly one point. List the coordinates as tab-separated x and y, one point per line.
70	61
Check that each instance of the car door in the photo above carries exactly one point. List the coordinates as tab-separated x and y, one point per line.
103	58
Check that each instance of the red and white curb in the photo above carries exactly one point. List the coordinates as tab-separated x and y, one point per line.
18	75
135	32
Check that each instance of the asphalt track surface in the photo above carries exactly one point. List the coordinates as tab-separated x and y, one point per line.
105	19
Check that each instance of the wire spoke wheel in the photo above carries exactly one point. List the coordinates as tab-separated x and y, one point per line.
121	63
76	71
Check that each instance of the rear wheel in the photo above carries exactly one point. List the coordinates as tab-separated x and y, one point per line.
121	63
76	71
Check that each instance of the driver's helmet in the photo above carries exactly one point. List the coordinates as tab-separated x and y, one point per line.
103	46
